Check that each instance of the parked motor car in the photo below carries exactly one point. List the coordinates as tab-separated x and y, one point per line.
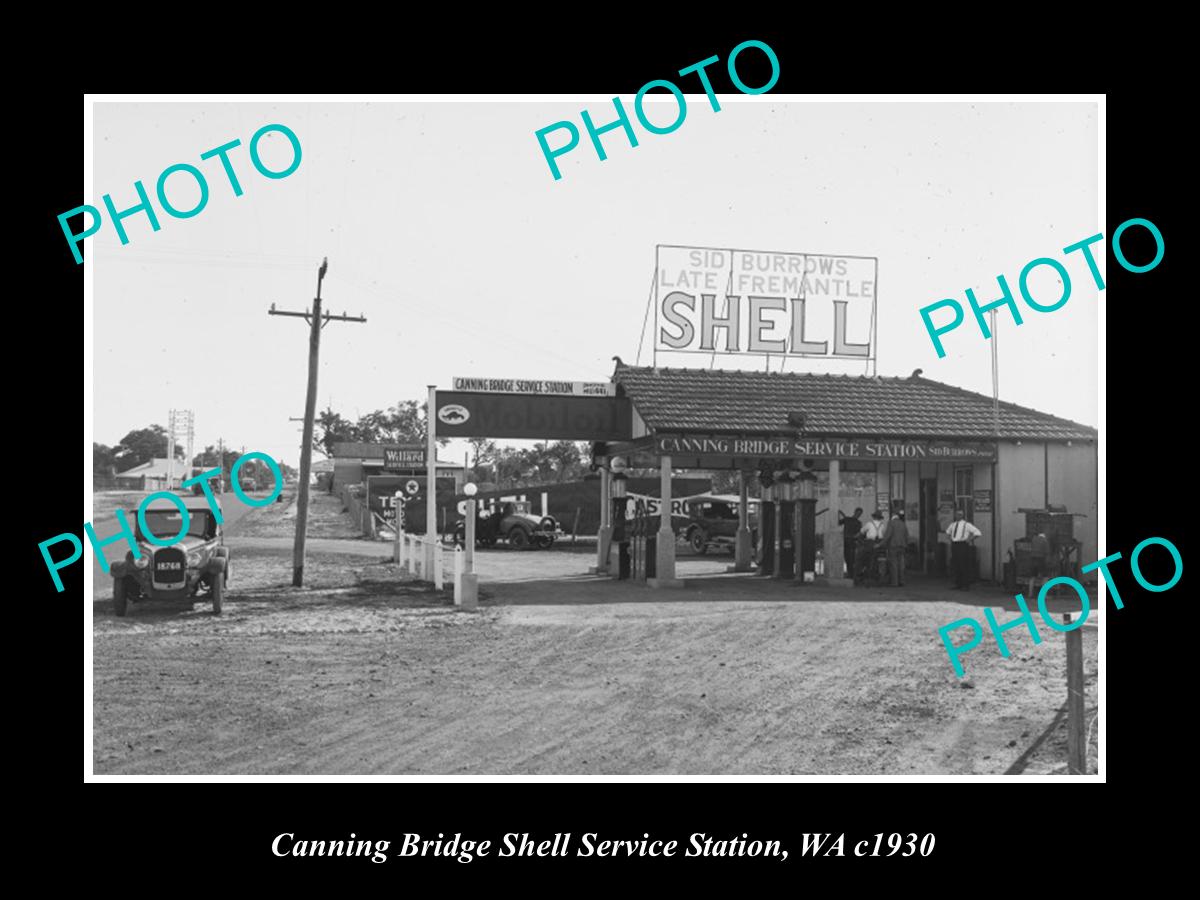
197	561
713	522
512	522
220	485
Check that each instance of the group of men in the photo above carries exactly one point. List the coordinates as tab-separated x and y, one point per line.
863	542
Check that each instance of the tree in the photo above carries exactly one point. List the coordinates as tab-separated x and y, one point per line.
103	459
329	429
567	457
511	466
483	452
403	423
141	446
211	458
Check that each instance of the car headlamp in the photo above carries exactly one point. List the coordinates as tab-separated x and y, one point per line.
194	558
141	562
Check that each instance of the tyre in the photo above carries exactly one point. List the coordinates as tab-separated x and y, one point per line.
223	552
120	600
518	539
218	593
697	541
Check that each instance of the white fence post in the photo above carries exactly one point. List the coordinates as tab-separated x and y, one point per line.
438	561
459	568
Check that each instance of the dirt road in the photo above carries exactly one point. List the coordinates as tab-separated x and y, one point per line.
379	679
361	672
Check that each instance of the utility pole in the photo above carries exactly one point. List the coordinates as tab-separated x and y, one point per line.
182	423
316	322
191	445
170	448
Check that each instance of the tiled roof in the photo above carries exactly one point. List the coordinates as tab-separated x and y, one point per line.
714	400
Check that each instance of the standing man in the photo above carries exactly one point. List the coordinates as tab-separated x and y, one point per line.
962	539
872	534
851	526
895	541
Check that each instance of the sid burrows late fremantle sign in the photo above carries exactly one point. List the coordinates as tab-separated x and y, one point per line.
718	445
710	300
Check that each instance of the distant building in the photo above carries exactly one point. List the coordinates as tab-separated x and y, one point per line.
353	463
152	476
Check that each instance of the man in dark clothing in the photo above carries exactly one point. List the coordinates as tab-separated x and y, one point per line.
962	539
895	541
851	526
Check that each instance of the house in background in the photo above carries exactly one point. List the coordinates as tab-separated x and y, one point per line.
152	476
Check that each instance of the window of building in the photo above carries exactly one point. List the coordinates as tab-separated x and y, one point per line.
964	492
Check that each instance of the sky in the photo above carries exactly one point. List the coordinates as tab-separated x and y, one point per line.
444	227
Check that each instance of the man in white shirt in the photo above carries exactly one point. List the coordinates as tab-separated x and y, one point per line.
874	529
962	539
871	535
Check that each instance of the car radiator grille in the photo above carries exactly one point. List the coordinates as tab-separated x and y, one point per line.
169	567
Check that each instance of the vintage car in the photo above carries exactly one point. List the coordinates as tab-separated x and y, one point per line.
512	522
713	522
197	561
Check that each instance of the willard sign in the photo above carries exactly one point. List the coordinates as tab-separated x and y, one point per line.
804	448
404	456
710	300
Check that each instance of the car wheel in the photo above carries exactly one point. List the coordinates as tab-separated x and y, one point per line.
518	539
218	593
699	544
119	597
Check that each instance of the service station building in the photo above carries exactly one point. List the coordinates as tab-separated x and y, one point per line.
808	446
912	443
